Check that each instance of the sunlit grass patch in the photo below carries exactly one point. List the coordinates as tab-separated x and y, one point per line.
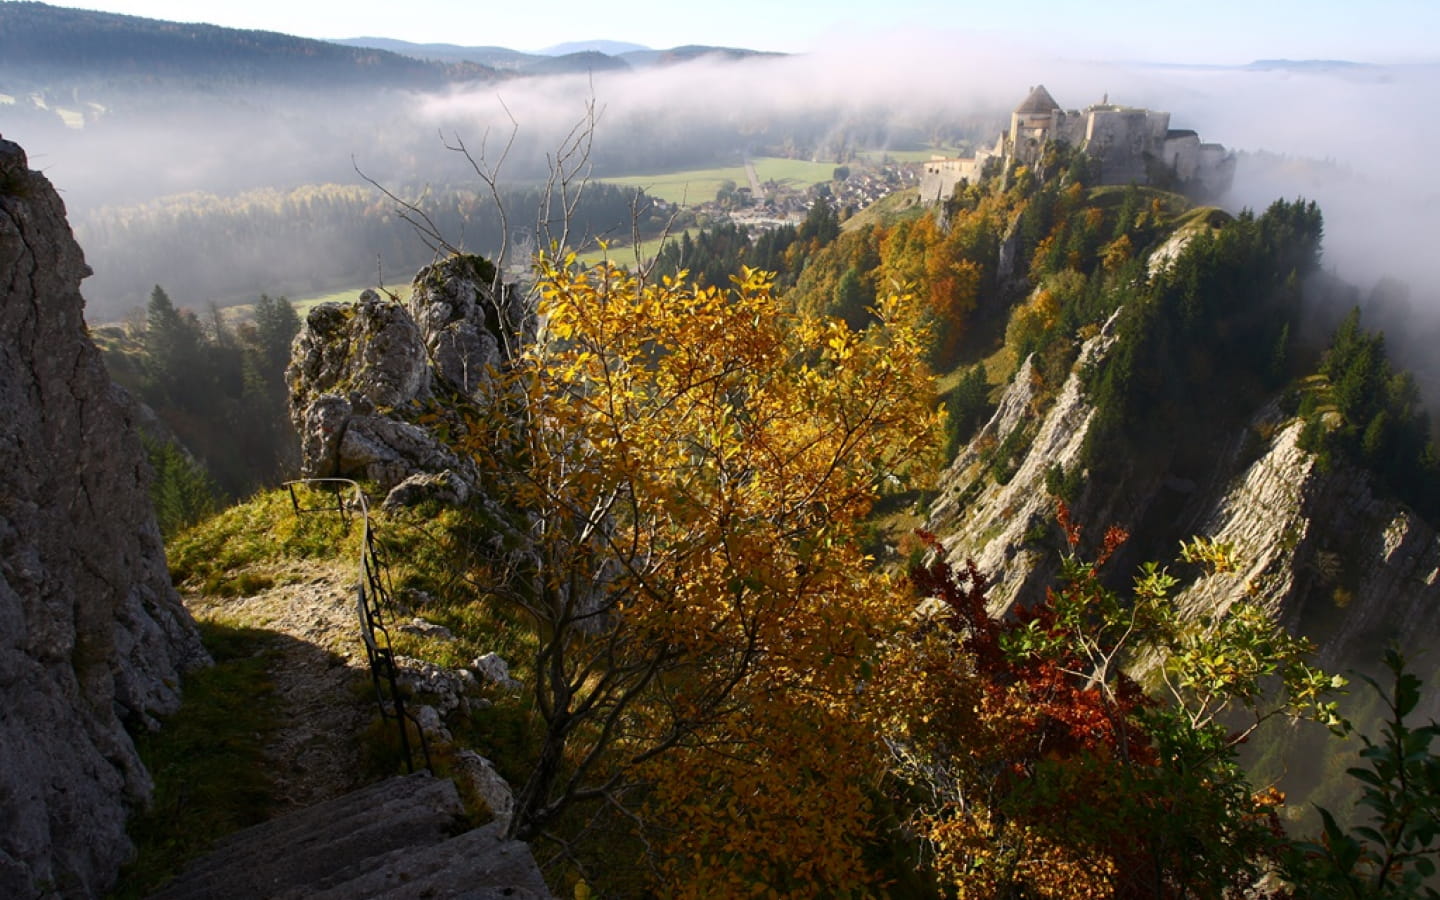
795	172
693	186
687	188
213	555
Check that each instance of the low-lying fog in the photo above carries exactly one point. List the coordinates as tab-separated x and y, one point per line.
1357	139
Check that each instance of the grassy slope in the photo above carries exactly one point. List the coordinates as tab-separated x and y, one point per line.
247	547
901	204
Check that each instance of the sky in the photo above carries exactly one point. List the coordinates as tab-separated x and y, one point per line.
1217	32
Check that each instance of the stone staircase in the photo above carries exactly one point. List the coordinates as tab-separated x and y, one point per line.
399	838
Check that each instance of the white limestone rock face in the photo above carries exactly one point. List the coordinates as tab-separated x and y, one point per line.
1322	550
361	376
479	775
977	518
92	635
371	353
1328	556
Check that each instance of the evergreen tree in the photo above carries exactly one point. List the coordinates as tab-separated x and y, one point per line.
851	302
172	347
276	324
822	223
182	492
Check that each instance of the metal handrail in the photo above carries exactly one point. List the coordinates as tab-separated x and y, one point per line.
372	598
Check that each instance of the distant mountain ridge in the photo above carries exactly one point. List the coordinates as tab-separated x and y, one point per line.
40	43
44	46
609	48
501	58
575	57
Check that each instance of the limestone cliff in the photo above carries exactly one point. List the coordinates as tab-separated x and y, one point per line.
978	517
92	635
1334	560
361	375
1323	549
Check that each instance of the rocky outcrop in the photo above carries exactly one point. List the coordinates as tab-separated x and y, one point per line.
1330	558
469	330
363	375
979	518
92	635
1320	549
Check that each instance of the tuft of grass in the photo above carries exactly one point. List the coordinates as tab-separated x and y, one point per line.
207	761
215	554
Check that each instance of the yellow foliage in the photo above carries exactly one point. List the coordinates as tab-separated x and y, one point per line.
984	859
1032	318
694	469
1116	253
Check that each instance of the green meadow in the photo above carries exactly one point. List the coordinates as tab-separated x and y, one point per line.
694	186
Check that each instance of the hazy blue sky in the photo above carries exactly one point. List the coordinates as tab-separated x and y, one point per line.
1217	31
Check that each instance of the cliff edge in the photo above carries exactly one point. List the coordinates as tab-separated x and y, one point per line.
92	635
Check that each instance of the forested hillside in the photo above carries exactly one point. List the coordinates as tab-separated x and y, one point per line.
47	46
1046	540
218	398
689	511
317	238
1146	358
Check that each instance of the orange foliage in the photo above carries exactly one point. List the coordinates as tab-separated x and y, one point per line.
691	472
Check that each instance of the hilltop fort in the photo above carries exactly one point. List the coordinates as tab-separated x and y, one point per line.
1127	144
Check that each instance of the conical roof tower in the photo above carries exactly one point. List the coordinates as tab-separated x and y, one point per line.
1038	103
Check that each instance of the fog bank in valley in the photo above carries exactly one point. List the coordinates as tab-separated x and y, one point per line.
1356	139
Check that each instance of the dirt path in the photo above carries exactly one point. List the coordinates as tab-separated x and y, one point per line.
318	671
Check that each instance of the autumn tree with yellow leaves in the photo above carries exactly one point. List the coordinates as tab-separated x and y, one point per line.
683	475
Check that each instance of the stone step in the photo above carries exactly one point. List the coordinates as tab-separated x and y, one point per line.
311	845
359	803
477	865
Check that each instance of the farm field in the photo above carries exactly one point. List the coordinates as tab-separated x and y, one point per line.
686	188
624	254
876	157
694	186
797	171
